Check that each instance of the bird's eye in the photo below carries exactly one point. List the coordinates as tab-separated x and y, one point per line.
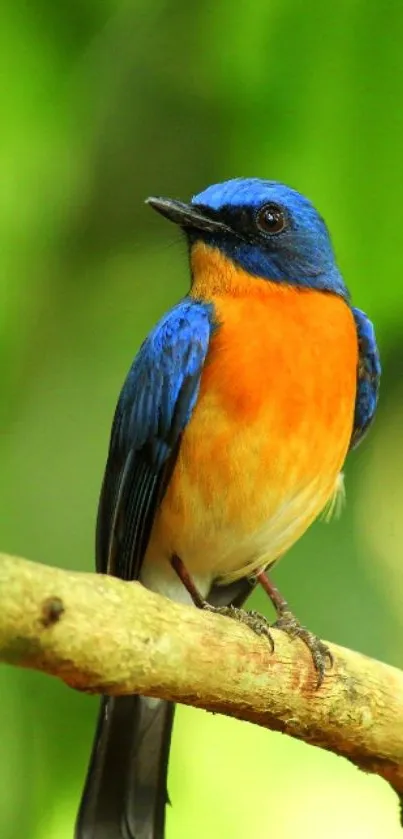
271	219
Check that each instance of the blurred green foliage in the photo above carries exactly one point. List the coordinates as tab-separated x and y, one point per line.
103	104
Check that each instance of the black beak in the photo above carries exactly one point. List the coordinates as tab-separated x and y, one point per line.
187	215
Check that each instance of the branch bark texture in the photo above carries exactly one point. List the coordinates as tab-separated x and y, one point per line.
101	635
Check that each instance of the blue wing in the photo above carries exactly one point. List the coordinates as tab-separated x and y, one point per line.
154	407
368	377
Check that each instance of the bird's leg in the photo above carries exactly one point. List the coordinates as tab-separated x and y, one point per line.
254	620
185	578
288	623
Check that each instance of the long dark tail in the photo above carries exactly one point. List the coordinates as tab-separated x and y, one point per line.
125	794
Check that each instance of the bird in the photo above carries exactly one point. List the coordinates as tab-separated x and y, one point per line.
228	440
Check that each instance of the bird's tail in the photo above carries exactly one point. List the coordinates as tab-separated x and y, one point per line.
125	794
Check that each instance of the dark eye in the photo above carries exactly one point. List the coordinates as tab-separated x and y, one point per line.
271	219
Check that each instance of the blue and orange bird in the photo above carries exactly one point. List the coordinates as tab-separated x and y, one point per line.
228	440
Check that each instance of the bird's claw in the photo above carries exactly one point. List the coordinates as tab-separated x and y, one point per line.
254	620
286	622
320	653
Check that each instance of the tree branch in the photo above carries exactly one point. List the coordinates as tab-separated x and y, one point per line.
102	635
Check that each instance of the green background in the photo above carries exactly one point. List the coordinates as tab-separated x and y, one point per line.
104	104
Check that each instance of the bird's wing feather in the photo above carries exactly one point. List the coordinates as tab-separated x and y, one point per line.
154	408
368	377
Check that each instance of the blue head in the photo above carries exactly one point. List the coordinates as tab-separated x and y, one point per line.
265	227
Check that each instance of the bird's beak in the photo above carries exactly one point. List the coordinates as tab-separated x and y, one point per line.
188	216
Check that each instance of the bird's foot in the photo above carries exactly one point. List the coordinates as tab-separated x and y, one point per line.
254	620
286	621
320	653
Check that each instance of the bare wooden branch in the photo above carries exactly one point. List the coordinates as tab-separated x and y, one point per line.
102	635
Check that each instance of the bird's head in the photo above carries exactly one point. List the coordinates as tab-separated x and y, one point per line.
264	228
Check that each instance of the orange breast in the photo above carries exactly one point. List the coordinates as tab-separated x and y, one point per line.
263	451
